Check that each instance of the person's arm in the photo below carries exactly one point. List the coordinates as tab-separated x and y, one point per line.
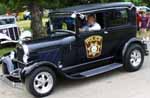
96	27
84	29
140	24
148	23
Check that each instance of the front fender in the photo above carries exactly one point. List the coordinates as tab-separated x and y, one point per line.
27	70
134	40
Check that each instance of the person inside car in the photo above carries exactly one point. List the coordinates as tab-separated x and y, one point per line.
91	25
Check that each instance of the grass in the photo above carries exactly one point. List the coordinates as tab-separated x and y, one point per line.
24	24
142	35
5	50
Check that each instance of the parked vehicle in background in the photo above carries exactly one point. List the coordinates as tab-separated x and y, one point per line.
143	8
10	33
8	27
9	30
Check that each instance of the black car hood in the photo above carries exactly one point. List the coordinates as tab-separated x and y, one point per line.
48	42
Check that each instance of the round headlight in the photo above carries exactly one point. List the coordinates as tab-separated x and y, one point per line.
26	53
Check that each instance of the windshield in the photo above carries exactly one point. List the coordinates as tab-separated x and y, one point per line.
7	21
62	23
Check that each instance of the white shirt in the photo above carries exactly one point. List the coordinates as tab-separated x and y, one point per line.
94	27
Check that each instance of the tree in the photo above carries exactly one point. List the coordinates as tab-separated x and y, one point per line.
146	2
2	9
36	8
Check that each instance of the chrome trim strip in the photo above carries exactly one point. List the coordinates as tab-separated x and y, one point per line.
8	33
8	26
102	9
18	31
14	33
92	10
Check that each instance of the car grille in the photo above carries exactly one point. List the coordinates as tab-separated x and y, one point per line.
13	32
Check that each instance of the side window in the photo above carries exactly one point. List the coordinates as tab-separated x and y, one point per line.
100	19
116	17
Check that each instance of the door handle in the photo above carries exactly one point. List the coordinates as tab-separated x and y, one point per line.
106	32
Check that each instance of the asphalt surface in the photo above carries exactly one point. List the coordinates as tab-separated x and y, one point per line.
114	84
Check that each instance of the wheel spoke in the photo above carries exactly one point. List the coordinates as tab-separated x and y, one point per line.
43	82
135	59
43	77
39	79
38	85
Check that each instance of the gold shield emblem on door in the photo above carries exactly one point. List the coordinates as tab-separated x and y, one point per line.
93	45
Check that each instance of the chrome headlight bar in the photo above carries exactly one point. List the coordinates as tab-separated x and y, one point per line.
26	53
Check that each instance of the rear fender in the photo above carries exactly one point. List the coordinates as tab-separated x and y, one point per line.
133	41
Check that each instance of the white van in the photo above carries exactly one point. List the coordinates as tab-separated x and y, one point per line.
10	32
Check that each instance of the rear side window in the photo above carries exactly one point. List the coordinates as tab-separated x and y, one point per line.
116	17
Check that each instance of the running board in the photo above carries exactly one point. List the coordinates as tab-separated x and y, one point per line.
98	70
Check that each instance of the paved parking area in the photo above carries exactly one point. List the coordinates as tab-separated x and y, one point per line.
114	84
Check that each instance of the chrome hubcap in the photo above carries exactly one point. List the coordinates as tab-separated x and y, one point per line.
43	82
135	58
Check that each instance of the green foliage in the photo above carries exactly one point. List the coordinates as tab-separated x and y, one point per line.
19	4
5	51
146	2
137	2
2	9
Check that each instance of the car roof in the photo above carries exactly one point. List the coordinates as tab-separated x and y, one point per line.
88	7
6	17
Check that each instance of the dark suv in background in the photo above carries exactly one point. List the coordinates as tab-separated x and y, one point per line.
74	54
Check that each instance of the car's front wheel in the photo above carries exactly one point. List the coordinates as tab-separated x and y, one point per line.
134	57
41	82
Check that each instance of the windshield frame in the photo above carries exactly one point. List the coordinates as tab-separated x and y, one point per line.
6	19
57	14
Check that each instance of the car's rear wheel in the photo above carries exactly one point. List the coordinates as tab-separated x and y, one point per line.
134	58
41	82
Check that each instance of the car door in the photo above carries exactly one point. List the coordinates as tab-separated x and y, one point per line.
94	47
88	50
119	27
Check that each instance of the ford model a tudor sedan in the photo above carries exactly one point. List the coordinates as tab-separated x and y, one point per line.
83	41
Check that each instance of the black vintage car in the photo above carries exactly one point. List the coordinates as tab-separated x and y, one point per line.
74	54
